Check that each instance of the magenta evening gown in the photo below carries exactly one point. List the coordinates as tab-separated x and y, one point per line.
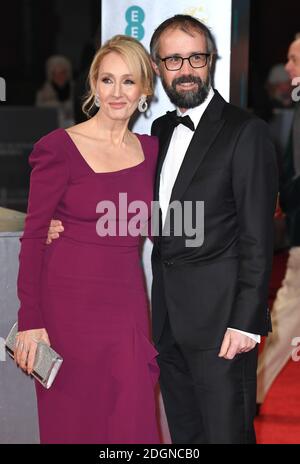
88	292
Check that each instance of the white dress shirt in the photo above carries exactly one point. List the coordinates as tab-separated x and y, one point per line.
179	143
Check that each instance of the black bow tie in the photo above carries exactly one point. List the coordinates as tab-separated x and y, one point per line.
185	120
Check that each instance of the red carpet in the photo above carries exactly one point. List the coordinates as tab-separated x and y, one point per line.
279	419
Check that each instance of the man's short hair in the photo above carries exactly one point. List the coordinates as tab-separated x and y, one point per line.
185	23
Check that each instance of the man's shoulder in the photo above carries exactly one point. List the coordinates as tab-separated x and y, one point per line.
240	120
161	120
165	115
237	114
233	114
159	124
53	139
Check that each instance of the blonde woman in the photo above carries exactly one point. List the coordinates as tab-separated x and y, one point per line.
85	292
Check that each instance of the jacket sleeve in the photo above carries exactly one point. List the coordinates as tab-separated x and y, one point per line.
48	182
290	194
255	187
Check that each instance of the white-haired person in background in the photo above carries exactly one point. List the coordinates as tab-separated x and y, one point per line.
279	86
57	90
279	89
280	345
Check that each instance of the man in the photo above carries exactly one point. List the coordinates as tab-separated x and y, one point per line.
285	313
290	186
209	303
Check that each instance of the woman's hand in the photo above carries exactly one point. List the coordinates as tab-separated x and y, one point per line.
26	345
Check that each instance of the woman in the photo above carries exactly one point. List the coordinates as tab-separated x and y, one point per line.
85	293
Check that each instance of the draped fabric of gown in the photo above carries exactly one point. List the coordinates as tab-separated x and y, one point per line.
88	292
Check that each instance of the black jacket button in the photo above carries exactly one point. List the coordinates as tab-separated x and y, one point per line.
168	263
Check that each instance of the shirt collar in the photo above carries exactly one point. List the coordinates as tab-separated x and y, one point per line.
196	113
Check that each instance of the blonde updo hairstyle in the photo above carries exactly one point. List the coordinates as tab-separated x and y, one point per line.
135	56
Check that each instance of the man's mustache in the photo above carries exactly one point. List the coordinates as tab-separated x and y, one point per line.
187	80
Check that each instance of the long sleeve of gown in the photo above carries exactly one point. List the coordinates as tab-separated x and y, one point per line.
48	183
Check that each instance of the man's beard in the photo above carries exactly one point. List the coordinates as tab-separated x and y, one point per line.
190	98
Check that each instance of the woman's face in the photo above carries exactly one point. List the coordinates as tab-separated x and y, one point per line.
119	91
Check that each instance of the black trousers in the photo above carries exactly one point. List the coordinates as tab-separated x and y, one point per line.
207	399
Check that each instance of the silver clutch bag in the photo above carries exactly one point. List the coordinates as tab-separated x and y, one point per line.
46	364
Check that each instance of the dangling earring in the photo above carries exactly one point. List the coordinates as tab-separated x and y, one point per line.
143	105
97	101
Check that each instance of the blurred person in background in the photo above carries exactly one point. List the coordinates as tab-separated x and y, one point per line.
57	91
286	309
81	81
281	109
279	87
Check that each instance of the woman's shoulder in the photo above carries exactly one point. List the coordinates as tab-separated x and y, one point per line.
52	139
49	149
149	142
149	138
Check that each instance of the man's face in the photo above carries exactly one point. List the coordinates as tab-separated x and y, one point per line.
187	87
293	63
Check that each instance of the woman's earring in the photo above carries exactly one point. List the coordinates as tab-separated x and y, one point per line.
143	105
97	101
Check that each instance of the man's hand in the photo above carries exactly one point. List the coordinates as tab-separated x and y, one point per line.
54	230
235	343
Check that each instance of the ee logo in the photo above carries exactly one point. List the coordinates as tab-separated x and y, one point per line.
135	17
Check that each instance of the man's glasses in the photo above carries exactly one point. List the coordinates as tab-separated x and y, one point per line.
174	63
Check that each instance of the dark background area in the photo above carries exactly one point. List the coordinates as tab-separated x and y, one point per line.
33	30
273	26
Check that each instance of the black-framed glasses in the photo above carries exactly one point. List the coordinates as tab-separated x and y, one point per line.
175	62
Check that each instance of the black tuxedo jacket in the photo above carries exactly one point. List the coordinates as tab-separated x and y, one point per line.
230	165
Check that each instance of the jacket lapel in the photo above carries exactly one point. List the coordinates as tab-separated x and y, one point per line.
207	130
164	141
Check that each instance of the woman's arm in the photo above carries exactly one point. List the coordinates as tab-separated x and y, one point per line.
48	182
